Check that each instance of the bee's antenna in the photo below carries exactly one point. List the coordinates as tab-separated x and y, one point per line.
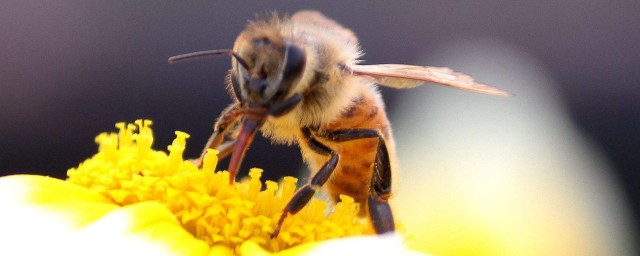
209	53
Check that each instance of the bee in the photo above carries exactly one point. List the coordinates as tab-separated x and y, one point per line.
299	81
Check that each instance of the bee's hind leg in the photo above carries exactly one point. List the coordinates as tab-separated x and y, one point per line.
379	209
380	191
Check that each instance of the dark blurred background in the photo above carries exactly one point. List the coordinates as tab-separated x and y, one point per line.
72	69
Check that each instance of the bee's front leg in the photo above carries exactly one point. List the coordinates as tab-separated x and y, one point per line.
227	119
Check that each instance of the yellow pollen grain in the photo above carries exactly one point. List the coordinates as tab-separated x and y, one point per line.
128	170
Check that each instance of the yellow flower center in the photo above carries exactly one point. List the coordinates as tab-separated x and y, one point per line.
127	170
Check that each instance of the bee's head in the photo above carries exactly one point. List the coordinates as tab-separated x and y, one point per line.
267	67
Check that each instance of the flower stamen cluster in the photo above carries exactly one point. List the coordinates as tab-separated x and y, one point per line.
128	171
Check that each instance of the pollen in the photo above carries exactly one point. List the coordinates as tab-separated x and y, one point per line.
128	171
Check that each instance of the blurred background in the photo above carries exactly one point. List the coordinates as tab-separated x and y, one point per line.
552	171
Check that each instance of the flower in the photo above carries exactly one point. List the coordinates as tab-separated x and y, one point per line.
129	199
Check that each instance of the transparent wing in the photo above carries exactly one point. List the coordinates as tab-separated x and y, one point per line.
318	19
407	76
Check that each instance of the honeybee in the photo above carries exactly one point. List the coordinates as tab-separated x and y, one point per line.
298	81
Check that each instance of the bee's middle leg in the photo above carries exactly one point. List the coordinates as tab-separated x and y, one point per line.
306	192
379	208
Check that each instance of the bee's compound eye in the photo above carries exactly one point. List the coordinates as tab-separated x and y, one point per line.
295	60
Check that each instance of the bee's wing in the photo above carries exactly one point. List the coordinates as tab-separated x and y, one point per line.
407	76
318	19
